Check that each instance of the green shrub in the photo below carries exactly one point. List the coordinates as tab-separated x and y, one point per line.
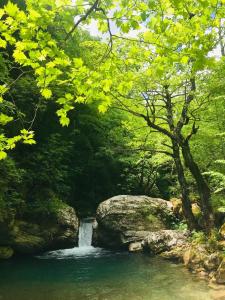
198	237
181	226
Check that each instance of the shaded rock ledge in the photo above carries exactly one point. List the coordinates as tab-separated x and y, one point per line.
21	236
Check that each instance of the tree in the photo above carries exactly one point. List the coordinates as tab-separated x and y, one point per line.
160	79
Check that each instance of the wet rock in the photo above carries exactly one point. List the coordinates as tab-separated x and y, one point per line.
136	247
125	219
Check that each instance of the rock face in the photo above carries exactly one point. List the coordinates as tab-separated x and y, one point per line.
58	230
165	240
199	259
126	219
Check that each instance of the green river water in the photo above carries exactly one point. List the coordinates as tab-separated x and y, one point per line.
96	274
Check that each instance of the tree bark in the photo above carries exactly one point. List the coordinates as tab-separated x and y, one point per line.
186	203
202	186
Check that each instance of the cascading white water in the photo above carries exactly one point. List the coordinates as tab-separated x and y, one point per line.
84	248
85	233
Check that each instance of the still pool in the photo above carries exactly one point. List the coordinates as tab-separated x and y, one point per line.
96	274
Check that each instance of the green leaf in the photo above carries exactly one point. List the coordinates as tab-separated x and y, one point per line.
184	59
3	155
19	56
11	9
46	93
2	43
4	119
107	85
102	108
135	24
69	96
125	27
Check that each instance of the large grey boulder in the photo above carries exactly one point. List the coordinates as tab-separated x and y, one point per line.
126	219
58	230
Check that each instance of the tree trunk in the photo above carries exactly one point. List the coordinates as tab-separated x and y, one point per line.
202	186
186	203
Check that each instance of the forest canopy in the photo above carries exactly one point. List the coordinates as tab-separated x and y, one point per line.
140	104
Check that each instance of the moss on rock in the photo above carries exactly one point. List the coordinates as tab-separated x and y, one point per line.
6	252
25	236
125	219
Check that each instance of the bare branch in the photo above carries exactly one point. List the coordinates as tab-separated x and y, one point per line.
183	118
82	18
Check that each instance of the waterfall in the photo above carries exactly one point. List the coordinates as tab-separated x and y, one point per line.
85	233
84	248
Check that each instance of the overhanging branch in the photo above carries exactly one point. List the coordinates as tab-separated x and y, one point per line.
82	18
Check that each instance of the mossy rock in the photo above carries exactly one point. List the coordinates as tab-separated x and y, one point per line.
124	219
6	252
27	243
59	230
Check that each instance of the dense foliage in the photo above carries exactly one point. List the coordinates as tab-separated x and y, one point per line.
141	107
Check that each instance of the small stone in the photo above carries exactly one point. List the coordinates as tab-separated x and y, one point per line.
135	247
